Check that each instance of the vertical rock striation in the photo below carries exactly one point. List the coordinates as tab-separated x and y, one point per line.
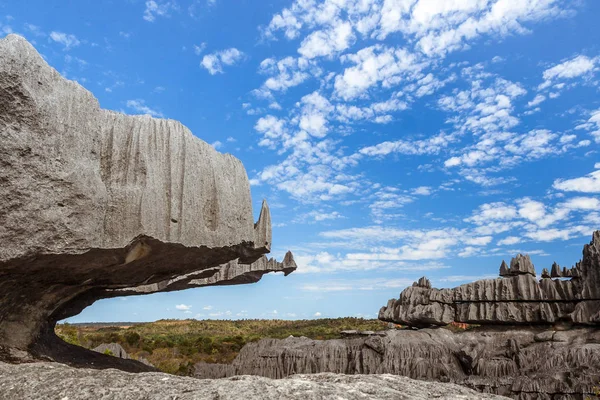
99	204
519	362
517	297
515	352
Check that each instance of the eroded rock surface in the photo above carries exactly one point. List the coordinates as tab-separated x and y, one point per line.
98	204
56	381
522	363
517	298
113	349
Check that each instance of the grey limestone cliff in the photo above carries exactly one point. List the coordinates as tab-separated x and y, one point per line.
517	297
98	204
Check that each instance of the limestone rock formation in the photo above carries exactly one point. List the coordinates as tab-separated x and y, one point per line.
99	204
114	349
515	298
30	381
519	362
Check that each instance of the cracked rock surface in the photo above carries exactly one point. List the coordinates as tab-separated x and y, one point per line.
31	381
98	204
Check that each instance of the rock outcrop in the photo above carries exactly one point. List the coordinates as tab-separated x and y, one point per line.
518	362
32	381
537	339
98	204
517	298
116	350
112	349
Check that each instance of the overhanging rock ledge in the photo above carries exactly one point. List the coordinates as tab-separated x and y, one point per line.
98	204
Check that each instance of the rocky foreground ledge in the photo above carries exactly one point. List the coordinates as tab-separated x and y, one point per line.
98	204
58	381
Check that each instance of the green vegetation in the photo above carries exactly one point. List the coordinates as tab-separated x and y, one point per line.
174	346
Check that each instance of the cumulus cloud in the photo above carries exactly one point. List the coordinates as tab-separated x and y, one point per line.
586	184
327	42
139	106
579	66
592	125
183	307
215	62
376	65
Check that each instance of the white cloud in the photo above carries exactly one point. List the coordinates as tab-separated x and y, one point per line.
285	73
217	144
376	65
576	67
582	203
327	42
539	98
183	307
317	314
67	40
586	184
207	308
432	145
509	240
435	28
592	125
319	216
442	27
199	49
214	62
272	129
34	29
498	211
158	9
358	284
549	235
378	259
533	218
422	190
141	107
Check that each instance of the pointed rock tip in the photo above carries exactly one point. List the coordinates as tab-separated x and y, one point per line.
504	270
262	228
289	265
15	40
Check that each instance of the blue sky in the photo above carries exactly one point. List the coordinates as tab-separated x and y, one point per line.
391	138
